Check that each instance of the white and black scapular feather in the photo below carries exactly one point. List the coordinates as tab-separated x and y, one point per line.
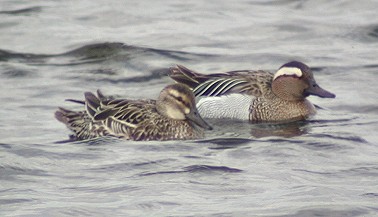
257	96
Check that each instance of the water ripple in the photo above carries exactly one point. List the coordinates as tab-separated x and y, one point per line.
93	53
22	11
208	168
373	195
14	201
10	172
338	138
373	32
97	188
6	146
327	212
197	169
111	168
154	75
226	143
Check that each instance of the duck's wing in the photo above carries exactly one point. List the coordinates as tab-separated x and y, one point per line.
120	116
243	81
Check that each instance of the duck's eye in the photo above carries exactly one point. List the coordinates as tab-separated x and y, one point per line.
179	98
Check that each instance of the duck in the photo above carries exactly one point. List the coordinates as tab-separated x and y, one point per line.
254	95
173	116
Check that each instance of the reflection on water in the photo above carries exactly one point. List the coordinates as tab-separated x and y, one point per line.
286	130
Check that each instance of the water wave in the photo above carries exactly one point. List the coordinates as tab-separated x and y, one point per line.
99	52
196	169
23	11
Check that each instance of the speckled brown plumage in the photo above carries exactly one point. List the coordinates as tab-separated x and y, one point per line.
134	119
274	97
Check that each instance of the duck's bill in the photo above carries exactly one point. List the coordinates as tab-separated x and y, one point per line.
195	117
318	91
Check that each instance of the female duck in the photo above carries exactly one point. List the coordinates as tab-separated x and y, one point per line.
172	116
257	96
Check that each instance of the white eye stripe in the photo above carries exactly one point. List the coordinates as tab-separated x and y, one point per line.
174	93
288	71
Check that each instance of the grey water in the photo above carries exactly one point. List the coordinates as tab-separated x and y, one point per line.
54	50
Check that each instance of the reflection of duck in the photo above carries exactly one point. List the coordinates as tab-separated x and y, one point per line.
257	96
286	130
237	129
172	116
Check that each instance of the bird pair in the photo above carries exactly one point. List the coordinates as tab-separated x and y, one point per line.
257	96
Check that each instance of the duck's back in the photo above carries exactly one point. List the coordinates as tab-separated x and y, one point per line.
140	120
160	128
128	119
227	95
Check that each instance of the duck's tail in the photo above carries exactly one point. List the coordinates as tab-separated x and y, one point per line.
82	123
78	122
186	76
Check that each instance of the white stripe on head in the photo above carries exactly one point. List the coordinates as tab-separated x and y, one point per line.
288	71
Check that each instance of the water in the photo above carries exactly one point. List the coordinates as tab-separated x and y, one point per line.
53	50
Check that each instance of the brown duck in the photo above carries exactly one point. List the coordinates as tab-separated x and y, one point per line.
257	96
173	116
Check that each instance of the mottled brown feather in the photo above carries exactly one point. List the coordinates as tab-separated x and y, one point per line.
129	119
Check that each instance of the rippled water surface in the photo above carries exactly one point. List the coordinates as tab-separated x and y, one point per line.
53	50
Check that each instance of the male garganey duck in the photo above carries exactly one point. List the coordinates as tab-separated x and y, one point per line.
257	96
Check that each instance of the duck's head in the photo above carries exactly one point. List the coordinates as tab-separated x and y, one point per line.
295	81
176	101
